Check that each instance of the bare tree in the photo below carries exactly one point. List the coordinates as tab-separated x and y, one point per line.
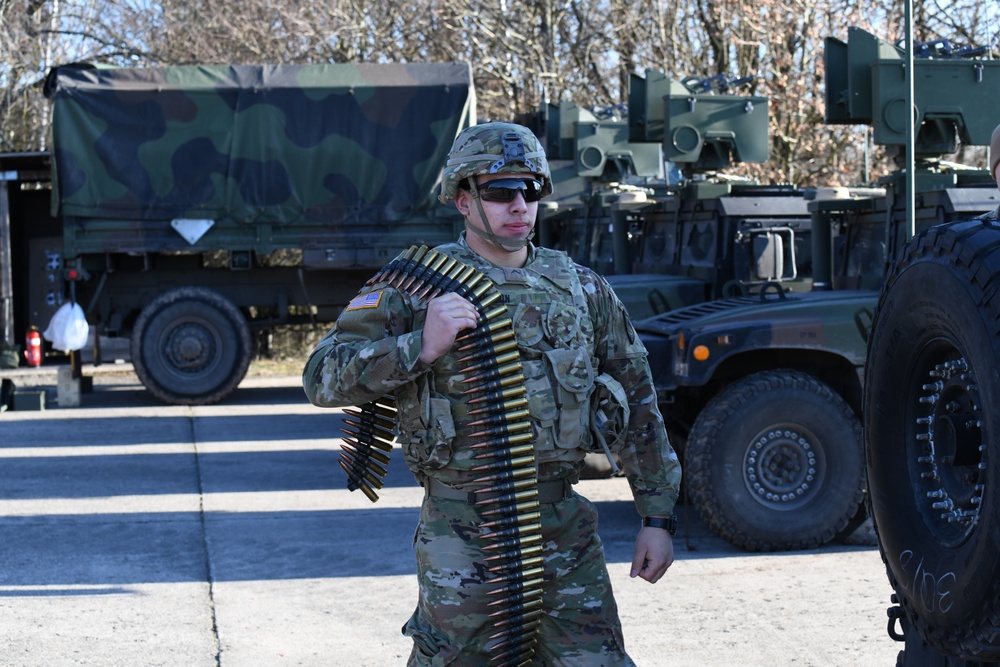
523	54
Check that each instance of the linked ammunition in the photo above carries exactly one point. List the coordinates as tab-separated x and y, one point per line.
502	433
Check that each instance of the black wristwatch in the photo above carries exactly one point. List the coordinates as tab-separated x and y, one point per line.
668	524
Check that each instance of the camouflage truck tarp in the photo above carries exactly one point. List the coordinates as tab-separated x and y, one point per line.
294	144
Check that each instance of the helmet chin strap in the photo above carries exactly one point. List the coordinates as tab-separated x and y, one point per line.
507	245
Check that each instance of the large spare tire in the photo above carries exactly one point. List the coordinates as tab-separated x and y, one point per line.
932	436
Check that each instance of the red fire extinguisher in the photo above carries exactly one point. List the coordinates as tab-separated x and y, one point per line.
33	347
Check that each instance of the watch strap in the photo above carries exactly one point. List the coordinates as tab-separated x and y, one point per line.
668	524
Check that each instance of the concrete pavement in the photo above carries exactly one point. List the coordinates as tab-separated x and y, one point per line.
133	533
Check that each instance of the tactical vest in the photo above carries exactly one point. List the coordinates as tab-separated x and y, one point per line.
555	339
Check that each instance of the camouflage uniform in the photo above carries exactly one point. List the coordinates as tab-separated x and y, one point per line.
570	327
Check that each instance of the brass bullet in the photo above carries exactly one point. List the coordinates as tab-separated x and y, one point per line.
369	441
526	578
500	430
359	483
509	463
508	487
370	427
505	407
484	330
529	604
511	509
516	597
496	383
520	517
516	552
519	542
506	344
503	394
518	618
495	373
358	454
493	420
377	411
518	628
515	566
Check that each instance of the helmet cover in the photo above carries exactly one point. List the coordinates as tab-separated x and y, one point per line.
494	148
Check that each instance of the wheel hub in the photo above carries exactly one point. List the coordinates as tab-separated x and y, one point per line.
952	454
781	467
189	347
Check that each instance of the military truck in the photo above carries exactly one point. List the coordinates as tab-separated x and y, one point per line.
195	207
762	393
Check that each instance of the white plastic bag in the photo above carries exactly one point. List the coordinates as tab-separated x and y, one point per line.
68	328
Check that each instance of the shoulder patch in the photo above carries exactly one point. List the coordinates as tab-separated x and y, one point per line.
365	301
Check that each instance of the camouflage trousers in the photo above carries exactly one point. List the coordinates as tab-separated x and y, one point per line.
451	625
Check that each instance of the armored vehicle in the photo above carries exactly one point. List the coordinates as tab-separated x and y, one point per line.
762	393
668	242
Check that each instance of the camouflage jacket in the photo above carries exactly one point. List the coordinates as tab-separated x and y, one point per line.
570	328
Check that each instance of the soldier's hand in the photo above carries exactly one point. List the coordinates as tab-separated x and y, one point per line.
654	553
447	315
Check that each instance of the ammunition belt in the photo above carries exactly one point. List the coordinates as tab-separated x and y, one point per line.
507	494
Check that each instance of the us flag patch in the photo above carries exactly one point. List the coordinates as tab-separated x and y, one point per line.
365	301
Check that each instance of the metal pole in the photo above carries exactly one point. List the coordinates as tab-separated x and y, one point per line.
6	278
911	163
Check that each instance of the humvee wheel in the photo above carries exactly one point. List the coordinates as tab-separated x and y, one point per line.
191	346
932	407
774	462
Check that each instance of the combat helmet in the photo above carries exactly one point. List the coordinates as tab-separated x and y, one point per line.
494	148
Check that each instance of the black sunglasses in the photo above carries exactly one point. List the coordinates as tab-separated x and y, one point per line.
505	189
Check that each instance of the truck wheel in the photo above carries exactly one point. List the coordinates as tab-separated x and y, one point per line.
191	346
932	406
774	462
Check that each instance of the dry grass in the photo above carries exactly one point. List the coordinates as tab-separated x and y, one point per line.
284	351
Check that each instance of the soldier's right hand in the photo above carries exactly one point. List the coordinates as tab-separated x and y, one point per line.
447	315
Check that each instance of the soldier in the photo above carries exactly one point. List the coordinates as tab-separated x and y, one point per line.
584	383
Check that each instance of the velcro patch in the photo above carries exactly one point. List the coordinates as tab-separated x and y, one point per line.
365	301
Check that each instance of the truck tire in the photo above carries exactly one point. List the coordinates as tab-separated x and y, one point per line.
774	462
932	413
191	346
